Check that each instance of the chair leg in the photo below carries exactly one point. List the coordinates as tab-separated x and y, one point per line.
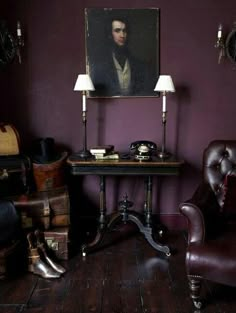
195	288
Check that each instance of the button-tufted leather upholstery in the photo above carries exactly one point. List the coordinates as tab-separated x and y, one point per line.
211	251
219	160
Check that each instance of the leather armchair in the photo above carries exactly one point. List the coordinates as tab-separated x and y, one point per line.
211	249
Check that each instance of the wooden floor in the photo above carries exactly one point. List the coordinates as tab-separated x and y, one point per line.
128	276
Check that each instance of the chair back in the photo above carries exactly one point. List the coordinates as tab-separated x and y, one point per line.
219	160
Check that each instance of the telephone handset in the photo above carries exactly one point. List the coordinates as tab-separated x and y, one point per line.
143	149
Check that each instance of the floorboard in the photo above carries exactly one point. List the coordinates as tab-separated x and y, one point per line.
125	276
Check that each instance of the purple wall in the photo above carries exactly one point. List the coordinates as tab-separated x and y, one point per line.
39	99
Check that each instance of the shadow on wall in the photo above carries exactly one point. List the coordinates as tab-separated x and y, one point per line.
183	106
193	176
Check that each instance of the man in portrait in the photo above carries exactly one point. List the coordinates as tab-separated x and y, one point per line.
115	71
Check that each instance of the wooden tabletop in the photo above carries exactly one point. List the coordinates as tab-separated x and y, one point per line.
155	166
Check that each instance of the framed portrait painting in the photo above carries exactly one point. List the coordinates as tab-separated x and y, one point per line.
122	51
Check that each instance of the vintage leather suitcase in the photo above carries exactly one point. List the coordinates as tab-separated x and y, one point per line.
58	240
59	202
14	175
44	209
9	140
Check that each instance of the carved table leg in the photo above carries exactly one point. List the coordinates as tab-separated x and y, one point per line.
102	219
124	216
148	201
195	288
147	229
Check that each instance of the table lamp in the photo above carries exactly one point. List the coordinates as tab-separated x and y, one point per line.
164	85
83	84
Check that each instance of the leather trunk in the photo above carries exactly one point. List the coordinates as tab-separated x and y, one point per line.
9	140
14	175
44	209
58	240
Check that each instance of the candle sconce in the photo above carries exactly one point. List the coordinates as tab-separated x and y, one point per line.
226	44
220	43
19	41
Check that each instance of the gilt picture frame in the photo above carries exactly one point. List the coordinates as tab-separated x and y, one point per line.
122	51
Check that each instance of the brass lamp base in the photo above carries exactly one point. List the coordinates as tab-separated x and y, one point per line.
82	155
163	155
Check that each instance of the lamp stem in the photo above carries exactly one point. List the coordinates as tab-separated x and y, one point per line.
84	120
163	154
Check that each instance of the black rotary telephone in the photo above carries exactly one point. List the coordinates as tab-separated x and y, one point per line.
143	149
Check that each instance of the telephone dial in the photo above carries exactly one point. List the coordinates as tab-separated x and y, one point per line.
143	149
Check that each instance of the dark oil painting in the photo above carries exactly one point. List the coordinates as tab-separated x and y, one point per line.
122	51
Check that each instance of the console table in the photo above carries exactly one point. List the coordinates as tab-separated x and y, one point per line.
124	167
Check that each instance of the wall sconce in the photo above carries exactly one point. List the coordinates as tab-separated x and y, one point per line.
10	45
220	43
226	44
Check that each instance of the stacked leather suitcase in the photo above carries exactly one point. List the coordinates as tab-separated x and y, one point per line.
43	205
15	171
49	174
48	208
48	211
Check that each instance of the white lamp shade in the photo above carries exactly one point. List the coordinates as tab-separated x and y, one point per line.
165	83
84	83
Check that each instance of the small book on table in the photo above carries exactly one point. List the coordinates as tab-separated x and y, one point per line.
102	149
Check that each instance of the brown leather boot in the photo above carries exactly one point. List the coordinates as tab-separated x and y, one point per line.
36	265
42	248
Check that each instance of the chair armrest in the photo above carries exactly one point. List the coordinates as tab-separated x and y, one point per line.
202	213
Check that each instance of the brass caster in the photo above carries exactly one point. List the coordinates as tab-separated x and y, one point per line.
197	304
